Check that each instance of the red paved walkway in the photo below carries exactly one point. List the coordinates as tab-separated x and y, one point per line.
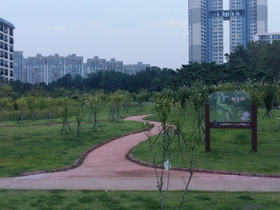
106	168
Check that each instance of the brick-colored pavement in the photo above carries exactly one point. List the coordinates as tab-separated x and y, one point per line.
107	168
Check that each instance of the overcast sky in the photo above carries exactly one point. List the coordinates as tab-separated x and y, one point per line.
152	31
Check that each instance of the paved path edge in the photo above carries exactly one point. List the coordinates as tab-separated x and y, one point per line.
129	156
140	162
80	159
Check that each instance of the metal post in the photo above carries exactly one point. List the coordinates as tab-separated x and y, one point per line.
254	128
207	128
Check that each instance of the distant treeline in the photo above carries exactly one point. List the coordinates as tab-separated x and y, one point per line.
258	60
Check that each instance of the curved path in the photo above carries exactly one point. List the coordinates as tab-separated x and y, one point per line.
107	168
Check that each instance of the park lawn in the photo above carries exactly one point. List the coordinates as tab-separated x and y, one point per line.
230	149
32	148
39	145
141	200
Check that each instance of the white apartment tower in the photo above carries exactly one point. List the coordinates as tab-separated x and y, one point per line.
6	49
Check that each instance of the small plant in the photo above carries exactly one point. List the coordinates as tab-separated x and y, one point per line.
245	197
86	199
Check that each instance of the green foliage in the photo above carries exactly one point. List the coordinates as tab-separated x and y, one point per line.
21	104
141	97
256	90
269	95
258	60
182	96
209	73
178	116
170	136
32	103
65	107
5	90
94	104
163	109
115	101
199	94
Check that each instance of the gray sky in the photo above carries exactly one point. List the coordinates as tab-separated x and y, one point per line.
152	31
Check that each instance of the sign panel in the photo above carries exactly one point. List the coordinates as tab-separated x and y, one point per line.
229	107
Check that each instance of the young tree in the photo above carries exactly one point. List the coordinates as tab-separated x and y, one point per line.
163	147
64	106
79	111
141	97
115	102
94	104
269	97
22	107
6	104
199	94
32	103
50	104
127	100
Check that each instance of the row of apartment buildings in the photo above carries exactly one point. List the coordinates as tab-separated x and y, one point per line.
50	68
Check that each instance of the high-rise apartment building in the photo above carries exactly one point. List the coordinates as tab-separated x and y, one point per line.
96	64
46	69
74	65
36	69
55	66
134	68
216	27
113	65
6	49
18	65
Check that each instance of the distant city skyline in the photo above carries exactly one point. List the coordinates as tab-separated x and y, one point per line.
70	54
47	69
154	32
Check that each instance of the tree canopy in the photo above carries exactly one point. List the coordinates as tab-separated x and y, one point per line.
258	60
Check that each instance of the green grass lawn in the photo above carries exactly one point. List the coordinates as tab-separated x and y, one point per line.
25	148
31	148
28	148
231	149
128	200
